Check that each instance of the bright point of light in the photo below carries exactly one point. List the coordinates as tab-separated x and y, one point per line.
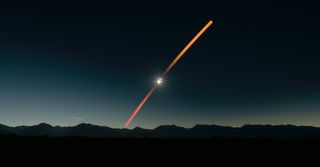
159	81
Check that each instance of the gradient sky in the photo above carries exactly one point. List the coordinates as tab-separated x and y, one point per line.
64	63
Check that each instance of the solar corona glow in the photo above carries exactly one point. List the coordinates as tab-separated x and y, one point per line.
159	80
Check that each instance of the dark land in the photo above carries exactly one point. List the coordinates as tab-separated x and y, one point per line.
280	145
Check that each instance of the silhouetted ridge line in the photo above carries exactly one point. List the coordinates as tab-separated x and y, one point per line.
166	131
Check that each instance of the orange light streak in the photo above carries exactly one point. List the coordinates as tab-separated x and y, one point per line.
185	49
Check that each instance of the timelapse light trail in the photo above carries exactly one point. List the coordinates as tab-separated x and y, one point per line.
185	49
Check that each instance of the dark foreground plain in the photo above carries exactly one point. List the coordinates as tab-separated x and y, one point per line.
154	152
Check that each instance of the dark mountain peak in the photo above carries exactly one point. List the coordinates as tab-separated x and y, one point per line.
41	129
44	125
138	128
140	132
3	126
91	126
207	126
4	129
86	125
170	131
200	126
251	125
164	127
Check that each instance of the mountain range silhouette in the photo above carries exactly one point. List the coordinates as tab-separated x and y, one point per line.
166	131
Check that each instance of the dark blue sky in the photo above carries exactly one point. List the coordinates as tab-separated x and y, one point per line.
93	61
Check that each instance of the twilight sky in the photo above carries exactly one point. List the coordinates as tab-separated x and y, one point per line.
64	63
